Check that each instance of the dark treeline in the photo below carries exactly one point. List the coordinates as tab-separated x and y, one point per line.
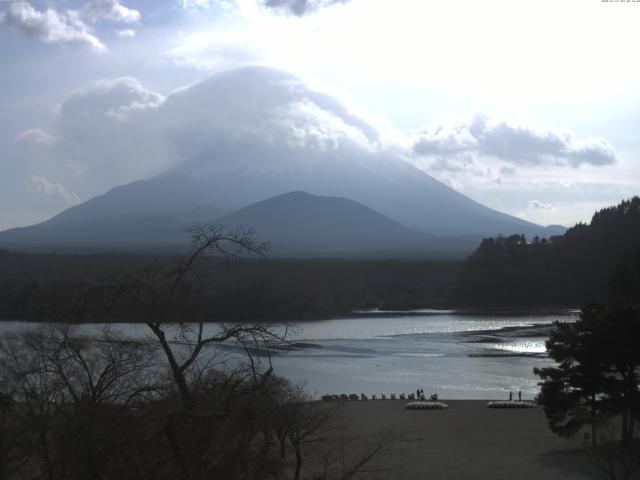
79	288
594	381
504	272
563	270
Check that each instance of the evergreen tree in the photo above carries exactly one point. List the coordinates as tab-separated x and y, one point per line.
572	392
598	362
568	269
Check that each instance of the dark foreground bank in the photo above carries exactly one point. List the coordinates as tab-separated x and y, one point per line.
467	441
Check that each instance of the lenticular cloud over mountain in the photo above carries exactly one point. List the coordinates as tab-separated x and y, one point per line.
262	106
239	137
118	131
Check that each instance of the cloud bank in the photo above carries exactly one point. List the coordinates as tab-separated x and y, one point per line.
108	10
261	121
117	131
68	26
300	8
40	184
103	136
538	205
513	144
51	26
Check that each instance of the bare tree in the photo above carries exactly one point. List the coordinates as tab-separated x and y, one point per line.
345	458
307	422
189	401
168	304
13	457
166	298
70	393
316	434
618	459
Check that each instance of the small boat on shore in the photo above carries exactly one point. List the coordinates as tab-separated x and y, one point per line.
511	404
421	405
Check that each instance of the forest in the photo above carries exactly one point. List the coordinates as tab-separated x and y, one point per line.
80	288
503	273
564	270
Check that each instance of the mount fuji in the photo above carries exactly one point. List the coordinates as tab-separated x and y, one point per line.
250	134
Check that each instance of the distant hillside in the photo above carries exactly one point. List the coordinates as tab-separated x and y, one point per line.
299	223
295	224
128	232
302	222
566	270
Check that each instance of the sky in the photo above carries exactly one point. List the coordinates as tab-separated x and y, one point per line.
531	108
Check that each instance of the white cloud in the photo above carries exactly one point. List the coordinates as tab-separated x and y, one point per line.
68	26
263	105
103	136
193	5
567	213
117	131
513	144
39	184
51	26
257	120
36	136
211	51
108	98
538	205
128	33
47	154
111	10
300	7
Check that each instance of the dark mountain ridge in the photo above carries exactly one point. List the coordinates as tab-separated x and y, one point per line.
299	223
294	224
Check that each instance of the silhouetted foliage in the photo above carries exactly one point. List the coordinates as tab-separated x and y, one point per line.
571	392
565	270
76	288
598	364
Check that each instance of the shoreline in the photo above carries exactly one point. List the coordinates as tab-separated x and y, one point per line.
465	441
365	313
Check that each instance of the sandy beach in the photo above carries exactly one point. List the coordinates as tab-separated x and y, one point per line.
465	441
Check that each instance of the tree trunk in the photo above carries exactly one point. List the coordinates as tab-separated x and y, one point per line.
282	445
594	420
171	435
298	462
44	443
266	435
177	373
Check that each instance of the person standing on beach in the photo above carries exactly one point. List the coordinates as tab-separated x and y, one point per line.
510	396
519	395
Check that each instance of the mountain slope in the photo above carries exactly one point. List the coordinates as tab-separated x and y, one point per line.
294	224
300	222
388	185
135	232
244	135
248	134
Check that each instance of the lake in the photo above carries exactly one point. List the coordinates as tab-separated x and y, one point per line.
457	355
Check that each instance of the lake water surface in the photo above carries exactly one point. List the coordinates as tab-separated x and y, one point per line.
457	355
